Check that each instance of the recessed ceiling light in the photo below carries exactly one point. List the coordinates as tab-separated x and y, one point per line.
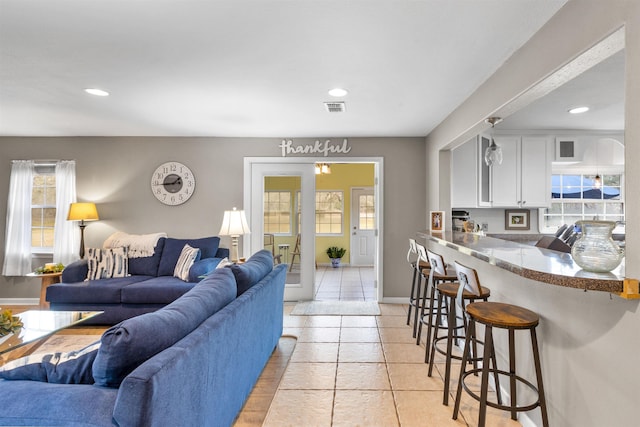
578	110
97	92
338	92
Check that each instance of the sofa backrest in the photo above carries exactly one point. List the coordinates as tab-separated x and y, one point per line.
128	344
253	270
147	266
172	247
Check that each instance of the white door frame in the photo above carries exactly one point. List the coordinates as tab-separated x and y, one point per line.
251	245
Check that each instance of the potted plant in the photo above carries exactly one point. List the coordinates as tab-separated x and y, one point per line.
335	253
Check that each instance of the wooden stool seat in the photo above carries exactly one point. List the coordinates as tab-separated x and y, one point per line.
503	315
451	290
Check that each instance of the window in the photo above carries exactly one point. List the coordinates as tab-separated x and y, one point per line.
366	212
43	209
329	212
576	197
277	212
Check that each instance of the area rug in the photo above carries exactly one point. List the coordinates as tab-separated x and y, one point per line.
336	308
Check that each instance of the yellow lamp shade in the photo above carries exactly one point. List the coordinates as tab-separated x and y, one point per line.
83	212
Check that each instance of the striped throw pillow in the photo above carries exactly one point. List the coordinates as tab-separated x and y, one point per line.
186	259
107	263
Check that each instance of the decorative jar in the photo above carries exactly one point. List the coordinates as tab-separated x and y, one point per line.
595	250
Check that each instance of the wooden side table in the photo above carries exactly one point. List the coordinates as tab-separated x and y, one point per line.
47	279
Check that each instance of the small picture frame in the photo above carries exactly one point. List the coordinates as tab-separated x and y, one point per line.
437	221
516	219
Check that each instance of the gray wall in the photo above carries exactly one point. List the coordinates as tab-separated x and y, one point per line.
115	173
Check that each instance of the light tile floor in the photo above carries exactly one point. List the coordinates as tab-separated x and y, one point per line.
356	371
345	284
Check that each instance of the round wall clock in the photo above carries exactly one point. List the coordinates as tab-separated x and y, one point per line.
173	183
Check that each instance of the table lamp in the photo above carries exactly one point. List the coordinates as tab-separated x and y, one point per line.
234	224
82	212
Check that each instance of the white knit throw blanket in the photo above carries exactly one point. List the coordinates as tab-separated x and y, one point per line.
140	245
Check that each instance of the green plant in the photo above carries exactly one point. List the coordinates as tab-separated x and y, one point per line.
57	268
9	323
336	252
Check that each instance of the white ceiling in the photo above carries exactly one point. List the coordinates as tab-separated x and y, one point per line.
250	68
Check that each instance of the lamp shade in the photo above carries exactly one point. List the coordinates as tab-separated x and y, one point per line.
83	212
234	223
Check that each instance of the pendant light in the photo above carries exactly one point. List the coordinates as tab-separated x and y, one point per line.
597	182
493	154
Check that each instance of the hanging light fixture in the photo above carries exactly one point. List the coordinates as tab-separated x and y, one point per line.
322	168
493	154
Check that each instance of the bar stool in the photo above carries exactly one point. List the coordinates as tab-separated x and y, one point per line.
421	269
439	273
512	318
468	289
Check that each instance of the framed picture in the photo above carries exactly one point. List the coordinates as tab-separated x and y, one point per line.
437	221
516	219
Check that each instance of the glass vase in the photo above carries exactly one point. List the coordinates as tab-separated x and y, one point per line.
595	250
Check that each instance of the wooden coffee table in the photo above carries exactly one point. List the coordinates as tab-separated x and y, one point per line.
38	325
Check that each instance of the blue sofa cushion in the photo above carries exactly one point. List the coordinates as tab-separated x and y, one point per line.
172	247
201	268
62	368
104	291
253	270
128	344
75	272
147	266
157	290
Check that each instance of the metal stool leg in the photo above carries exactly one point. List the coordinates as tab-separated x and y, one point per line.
411	295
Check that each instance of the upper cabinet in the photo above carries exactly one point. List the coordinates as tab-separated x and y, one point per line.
522	180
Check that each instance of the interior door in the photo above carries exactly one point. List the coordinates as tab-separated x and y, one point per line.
300	282
363	227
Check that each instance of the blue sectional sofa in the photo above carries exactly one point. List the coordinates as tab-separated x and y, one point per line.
149	286
192	363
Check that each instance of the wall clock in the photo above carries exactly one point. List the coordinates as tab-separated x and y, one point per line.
173	183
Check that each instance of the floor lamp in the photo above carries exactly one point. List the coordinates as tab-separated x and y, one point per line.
234	224
82	212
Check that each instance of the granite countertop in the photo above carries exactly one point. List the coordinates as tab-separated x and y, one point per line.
528	261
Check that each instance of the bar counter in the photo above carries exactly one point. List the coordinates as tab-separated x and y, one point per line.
542	265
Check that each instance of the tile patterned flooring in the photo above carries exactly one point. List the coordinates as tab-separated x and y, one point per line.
345	284
355	371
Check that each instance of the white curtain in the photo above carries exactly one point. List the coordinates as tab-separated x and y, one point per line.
17	256
66	240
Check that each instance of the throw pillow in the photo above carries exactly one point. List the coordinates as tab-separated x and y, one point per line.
186	259
62	368
172	247
223	263
107	263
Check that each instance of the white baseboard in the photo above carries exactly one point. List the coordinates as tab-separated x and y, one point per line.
19	301
395	300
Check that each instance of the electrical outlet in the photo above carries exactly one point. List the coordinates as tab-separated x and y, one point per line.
485	226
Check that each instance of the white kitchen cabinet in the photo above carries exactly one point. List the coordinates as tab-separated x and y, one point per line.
523	179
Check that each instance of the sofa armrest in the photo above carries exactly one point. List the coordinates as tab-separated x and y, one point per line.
75	272
222	253
202	268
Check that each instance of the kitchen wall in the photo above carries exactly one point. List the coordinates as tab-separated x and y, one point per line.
589	340
115	173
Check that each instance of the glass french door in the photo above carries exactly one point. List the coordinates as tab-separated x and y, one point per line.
275	225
